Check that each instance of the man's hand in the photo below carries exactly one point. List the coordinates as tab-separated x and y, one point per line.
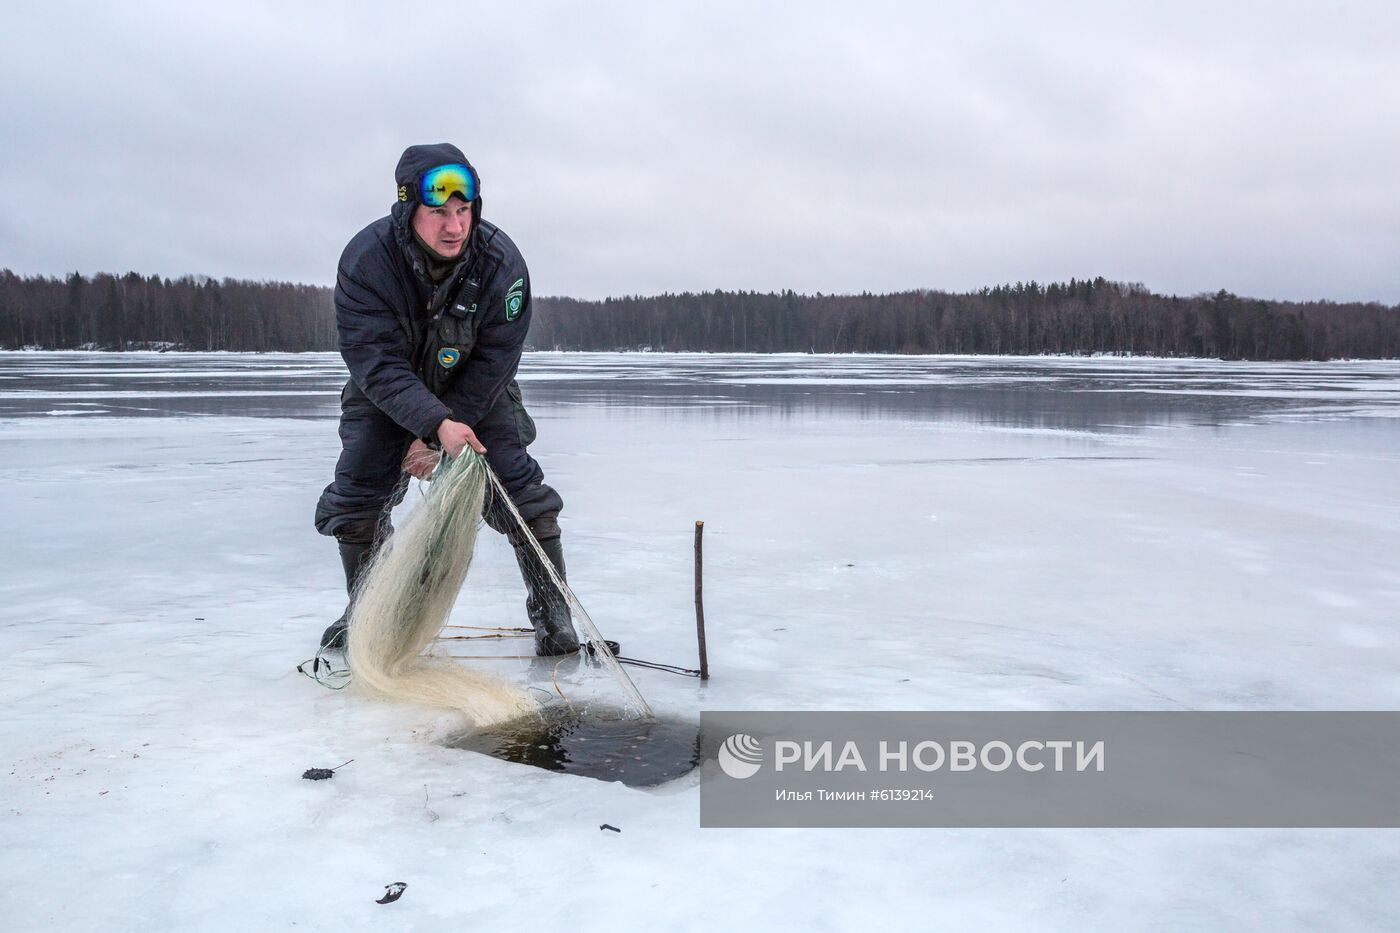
421	460
454	435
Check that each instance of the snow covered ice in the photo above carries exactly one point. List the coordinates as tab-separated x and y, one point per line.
881	533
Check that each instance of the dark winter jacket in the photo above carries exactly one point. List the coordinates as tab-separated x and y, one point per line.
420	352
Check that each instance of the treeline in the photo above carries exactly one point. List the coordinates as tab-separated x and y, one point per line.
134	312
1081	316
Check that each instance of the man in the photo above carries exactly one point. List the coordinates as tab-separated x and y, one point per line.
432	305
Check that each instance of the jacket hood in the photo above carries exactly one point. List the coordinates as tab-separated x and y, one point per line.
412	164
418	159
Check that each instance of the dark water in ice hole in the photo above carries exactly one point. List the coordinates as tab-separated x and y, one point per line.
602	745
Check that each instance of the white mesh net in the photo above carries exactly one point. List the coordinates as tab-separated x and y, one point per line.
397	648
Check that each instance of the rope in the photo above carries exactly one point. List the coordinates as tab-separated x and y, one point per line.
339	678
486	628
554	678
658	666
332	679
635	662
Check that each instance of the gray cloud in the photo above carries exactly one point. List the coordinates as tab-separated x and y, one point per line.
639	148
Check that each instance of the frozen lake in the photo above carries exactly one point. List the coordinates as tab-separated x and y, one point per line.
881	533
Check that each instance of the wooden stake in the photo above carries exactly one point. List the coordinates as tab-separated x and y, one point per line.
700	603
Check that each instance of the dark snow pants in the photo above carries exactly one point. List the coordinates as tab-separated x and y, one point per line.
369	476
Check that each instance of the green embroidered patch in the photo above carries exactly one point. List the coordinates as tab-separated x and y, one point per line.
515	299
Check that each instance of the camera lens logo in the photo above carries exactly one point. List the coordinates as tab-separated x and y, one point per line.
740	756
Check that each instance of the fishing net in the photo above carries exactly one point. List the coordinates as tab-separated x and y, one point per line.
407	595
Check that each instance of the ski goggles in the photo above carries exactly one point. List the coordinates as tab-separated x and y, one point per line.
438	184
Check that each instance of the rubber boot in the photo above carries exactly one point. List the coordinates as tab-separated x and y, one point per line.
545	605
354	557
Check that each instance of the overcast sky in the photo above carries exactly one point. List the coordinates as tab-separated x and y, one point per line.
649	147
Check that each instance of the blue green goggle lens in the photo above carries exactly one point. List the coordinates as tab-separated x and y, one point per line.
439	184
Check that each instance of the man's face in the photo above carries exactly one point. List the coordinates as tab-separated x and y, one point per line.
444	228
